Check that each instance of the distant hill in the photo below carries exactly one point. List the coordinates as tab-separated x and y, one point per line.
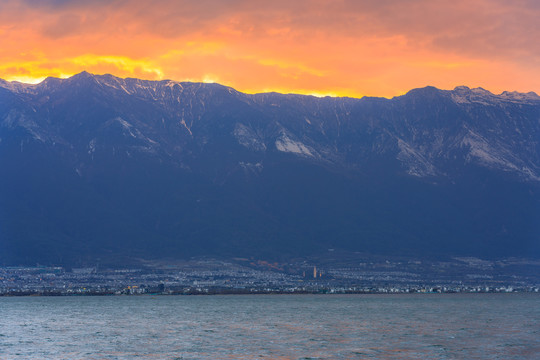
120	169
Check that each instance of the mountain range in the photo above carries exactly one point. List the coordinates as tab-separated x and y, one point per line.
95	166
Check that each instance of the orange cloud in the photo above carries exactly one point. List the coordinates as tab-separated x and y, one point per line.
342	47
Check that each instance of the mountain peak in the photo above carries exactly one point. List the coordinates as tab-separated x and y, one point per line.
82	75
464	94
460	94
427	91
476	90
514	95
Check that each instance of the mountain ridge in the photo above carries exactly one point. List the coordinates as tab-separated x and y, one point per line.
162	167
167	95
109	79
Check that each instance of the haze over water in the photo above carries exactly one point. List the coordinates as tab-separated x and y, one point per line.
438	326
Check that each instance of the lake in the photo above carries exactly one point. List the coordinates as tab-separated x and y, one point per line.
415	326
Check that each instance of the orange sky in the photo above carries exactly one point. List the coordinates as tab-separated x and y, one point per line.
340	47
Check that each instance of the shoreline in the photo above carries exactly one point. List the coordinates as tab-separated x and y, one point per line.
215	292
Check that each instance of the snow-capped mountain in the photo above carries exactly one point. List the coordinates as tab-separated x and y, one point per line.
95	164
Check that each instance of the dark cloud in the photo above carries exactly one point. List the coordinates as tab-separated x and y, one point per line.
480	28
68	4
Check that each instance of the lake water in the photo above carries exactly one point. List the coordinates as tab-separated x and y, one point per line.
420	326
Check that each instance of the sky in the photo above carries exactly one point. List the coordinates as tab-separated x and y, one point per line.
319	47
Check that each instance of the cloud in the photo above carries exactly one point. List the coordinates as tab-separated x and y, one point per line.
377	47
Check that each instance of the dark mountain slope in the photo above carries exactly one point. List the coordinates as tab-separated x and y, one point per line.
118	169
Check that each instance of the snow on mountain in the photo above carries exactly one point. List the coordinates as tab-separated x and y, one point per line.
285	144
464	95
248	138
167	118
414	160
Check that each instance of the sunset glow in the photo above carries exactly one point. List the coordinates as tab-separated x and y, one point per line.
342	48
